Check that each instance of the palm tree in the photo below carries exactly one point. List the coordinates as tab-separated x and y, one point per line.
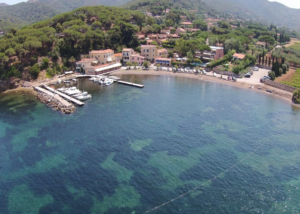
72	60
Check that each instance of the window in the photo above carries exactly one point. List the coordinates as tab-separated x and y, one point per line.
138	58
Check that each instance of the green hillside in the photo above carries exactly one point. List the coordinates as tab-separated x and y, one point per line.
68	5
23	14
66	36
261	10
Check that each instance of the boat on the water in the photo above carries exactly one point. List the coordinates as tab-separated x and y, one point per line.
84	97
59	81
67	81
80	94
109	82
72	91
115	78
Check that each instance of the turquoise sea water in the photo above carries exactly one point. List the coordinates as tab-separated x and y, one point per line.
129	150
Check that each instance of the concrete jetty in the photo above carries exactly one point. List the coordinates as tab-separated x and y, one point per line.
64	96
56	96
131	84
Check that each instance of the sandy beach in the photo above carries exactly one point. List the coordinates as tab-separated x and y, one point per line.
287	96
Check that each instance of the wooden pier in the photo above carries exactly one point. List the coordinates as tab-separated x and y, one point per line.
131	84
64	96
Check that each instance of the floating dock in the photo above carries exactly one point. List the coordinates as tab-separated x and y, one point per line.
131	84
64	96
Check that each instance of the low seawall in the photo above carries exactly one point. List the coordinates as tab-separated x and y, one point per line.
280	86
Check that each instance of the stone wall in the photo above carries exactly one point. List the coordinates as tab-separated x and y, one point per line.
280	86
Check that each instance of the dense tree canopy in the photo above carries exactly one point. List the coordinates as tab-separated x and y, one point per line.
70	34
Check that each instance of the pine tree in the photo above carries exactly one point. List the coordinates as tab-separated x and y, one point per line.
282	60
269	61
263	60
259	59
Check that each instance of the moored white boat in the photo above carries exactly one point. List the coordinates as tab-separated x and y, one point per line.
84	97
109	82
80	94
114	78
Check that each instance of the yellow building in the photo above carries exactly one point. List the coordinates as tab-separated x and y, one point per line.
149	52
103	56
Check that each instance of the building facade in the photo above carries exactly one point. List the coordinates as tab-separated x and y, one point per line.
214	54
149	52
136	58
163	61
103	56
126	55
84	63
162	52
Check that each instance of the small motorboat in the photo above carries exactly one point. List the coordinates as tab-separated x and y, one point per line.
114	78
59	81
74	80
67	81
80	94
84	97
109	82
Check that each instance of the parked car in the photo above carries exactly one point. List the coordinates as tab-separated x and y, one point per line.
264	78
255	68
233	79
250	72
247	75
204	72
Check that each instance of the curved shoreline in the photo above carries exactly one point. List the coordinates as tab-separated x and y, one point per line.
262	88
284	95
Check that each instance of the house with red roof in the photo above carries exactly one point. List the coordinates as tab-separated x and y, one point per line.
187	24
239	56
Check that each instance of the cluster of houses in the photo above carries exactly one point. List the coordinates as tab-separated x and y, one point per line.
148	52
102	61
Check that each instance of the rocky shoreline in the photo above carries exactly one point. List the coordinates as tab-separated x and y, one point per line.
55	104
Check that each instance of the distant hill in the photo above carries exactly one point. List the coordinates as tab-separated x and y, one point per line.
3	4
261	10
22	14
68	5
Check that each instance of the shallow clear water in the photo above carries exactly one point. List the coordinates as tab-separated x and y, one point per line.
129	150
